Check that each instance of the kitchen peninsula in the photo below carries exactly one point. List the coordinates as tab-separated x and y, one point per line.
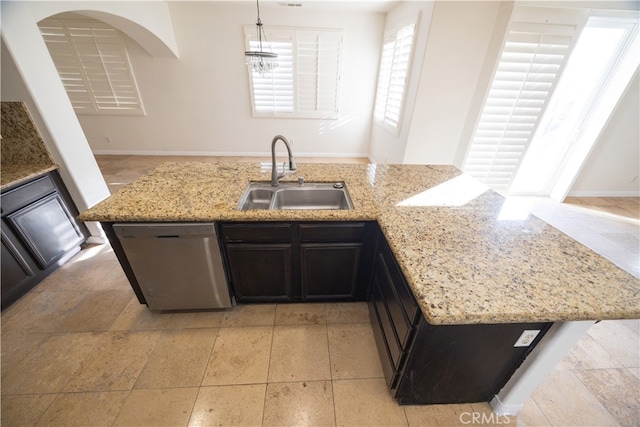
465	262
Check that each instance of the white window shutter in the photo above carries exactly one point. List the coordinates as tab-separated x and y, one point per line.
530	64
306	82
93	64
318	71
393	74
272	93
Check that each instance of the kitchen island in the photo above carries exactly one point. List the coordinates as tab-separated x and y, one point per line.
464	259
461	291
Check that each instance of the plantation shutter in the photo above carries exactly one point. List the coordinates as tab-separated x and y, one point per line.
392	75
318	71
306	83
272	93
93	65
532	59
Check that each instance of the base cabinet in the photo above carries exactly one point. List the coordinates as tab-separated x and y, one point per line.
39	232
261	272
300	261
431	364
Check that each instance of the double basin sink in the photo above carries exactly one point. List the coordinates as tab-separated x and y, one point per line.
292	195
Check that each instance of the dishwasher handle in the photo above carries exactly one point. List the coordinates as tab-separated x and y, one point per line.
160	230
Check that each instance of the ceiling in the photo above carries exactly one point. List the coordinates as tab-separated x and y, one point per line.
381	6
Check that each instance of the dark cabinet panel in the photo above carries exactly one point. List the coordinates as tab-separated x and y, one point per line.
431	364
328	261
329	270
258	232
17	267
39	233
462	363
47	228
261	272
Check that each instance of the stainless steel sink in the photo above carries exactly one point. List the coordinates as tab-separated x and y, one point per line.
291	195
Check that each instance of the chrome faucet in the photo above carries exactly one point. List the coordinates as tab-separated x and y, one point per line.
275	176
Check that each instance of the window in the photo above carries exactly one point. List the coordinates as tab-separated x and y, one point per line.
392	75
532	58
93	64
306	83
557	81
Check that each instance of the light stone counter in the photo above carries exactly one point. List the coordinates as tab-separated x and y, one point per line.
465	261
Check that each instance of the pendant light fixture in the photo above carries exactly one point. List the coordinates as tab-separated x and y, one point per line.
260	61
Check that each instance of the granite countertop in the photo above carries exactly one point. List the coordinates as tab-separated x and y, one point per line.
11	175
464	260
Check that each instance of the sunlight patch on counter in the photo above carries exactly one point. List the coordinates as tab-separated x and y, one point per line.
456	192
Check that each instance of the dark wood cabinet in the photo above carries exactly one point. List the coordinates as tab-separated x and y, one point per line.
261	272
39	232
430	364
304	261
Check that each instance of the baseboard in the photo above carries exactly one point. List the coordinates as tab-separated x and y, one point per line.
219	153
501	409
604	194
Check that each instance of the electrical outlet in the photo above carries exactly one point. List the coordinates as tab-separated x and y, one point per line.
527	337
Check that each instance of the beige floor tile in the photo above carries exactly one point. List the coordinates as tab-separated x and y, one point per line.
439	415
205	319
157	407
96	312
588	354
565	401
299	353
347	312
366	402
240	356
301	314
229	405
307	403
615	337
15	349
179	359
250	315
138	317
84	409
25	409
95	268
531	415
42	313
48	367
353	352
482	411
116	362
624	405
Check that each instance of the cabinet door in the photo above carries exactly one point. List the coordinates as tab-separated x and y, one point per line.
329	270
261	272
47	227
18	269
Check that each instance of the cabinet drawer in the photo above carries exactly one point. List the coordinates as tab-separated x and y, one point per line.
27	193
387	327
403	294
257	233
398	316
328	232
389	371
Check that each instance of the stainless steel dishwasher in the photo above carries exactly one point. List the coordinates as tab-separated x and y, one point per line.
178	266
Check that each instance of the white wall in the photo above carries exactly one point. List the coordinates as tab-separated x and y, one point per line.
200	104
387	146
454	66
613	167
29	75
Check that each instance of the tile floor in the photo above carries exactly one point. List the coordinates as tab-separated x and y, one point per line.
79	350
